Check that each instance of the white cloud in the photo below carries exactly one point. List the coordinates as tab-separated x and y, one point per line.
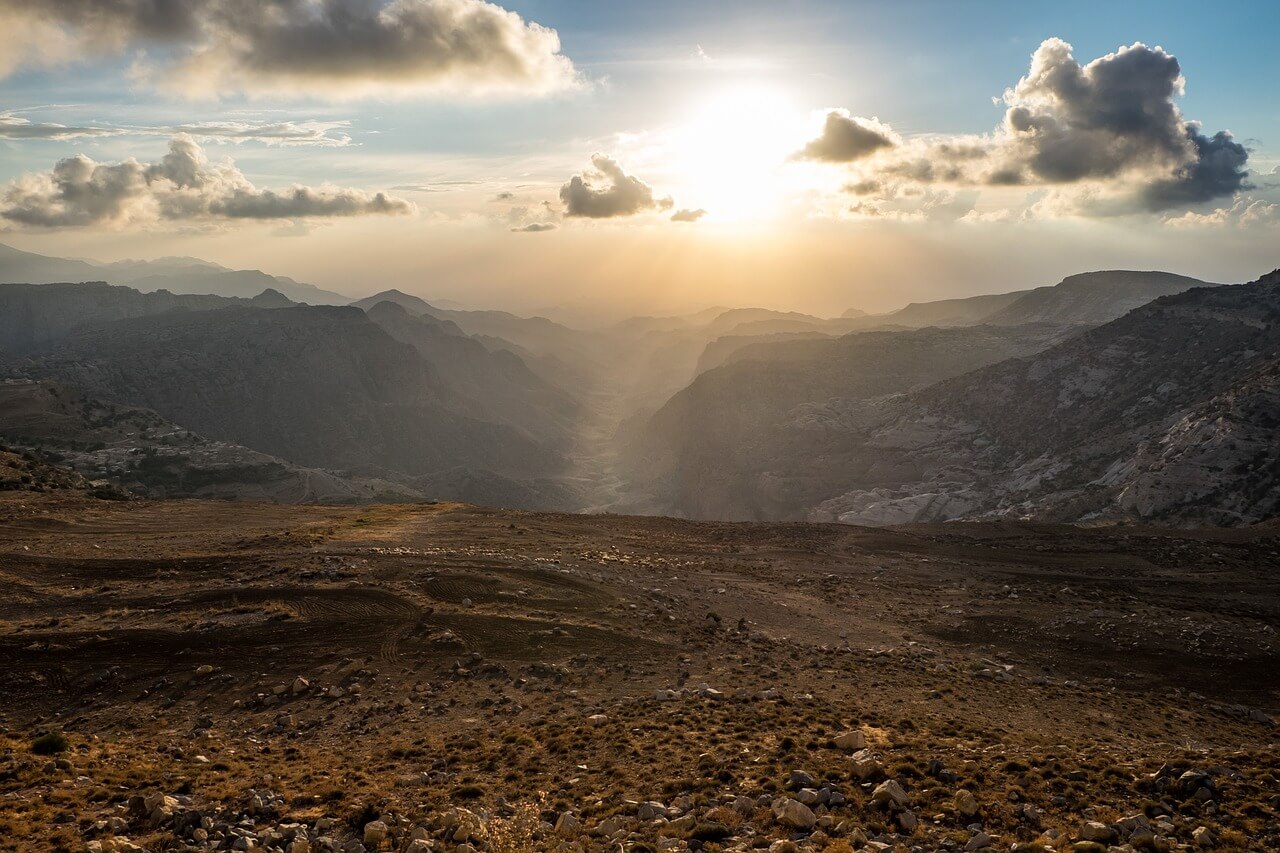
182	186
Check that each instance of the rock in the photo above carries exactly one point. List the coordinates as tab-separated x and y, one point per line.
375	832
597	720
1203	837
665	695
908	821
966	803
890	793
651	810
852	740
799	779
299	685
466	826
1094	831
793	813
568	825
979	841
864	765
204	669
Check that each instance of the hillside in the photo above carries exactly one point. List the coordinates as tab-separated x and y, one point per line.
320	387
700	455
1099	427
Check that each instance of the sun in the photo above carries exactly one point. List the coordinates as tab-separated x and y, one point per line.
732	152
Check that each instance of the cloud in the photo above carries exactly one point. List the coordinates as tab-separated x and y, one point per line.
16	127
285	133
846	138
326	134
322	48
686	215
182	186
535	227
1243	213
1106	137
608	192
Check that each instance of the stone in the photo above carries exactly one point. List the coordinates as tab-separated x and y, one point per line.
1203	837
597	720
1094	831
568	824
375	832
966	803
979	841
651	810
864	765
793	813
908	821
851	740
890	793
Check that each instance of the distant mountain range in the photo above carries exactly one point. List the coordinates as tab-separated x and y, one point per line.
176	275
1111	396
1167	413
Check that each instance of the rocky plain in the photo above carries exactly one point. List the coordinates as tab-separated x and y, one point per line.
206	675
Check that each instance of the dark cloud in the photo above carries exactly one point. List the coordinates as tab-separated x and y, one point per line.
608	192
182	186
1115	117
846	138
535	227
687	215
1107	137
329	48
1218	170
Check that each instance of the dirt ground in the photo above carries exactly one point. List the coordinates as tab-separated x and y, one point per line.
290	676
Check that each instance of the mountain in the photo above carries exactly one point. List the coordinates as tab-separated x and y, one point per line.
27	267
412	304
321	387
710	452
139	452
237	283
1164	415
36	314
176	275
1091	298
968	311
498	386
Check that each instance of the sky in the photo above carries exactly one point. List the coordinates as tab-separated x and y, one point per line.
580	158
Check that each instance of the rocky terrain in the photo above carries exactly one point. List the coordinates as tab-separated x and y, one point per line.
191	675
140	453
1163	414
321	387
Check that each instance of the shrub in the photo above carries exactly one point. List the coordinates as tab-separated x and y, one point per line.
50	744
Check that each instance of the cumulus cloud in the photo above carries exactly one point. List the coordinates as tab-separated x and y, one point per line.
1107	137
846	138
686	215
606	191
182	186
1243	213
323	48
